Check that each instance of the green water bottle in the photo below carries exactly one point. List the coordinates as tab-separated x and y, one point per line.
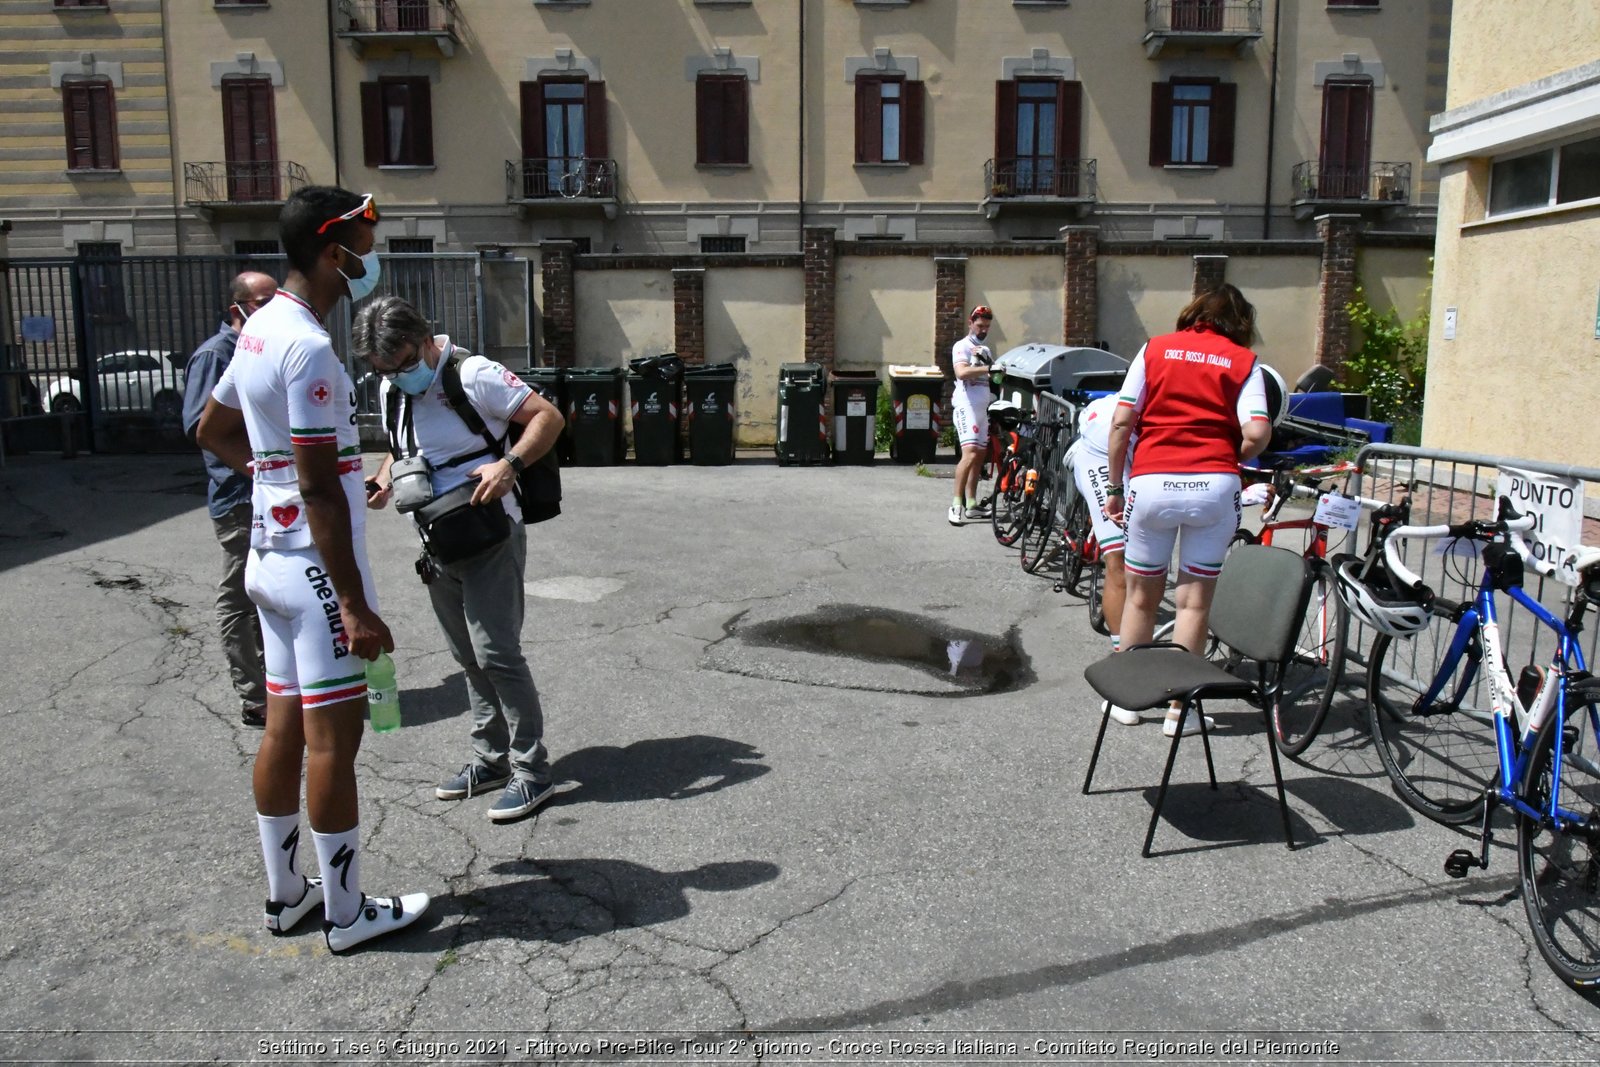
383	694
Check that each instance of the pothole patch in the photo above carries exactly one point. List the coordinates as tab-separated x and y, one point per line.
575	587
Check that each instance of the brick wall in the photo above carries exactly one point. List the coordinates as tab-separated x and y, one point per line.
820	252
949	307
1080	283
1336	288
689	314
558	315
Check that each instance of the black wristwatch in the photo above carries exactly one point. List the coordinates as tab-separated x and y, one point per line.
516	463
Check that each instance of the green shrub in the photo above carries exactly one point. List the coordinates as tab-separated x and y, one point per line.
885	426
1389	363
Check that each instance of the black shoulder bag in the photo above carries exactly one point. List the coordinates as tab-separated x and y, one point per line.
538	487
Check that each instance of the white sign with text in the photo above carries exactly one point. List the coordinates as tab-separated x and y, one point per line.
1556	504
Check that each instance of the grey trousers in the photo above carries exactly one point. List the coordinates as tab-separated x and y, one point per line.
478	602
236	613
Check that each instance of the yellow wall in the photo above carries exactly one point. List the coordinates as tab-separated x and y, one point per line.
755	319
1025	293
1545	37
1140	297
1519	378
1284	292
884	311
622	314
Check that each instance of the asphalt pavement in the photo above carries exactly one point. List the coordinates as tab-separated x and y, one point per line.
767	841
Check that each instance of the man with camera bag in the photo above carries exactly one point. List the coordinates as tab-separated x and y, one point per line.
470	488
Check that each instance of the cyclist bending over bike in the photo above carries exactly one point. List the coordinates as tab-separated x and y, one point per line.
1197	400
1090	460
969	410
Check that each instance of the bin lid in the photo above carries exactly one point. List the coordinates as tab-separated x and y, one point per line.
712	370
542	374
594	373
1063	368
855	375
907	370
803	370
667	366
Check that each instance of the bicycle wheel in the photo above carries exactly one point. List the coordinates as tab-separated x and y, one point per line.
1312	674
1005	511
1097	607
1077	529
1442	757
1559	869
1041	539
1215	651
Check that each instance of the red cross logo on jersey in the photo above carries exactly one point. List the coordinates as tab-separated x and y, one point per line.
320	394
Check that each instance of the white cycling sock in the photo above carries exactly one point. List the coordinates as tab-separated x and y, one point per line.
280	847
337	854
1116	642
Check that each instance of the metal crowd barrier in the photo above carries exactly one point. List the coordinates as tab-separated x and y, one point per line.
1449	487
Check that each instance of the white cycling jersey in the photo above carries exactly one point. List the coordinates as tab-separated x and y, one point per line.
974	394
292	390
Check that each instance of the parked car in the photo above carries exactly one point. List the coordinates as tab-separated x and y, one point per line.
139	380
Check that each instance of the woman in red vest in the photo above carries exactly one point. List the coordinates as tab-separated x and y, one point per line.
1197	399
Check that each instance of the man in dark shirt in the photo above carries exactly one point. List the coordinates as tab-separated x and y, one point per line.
228	499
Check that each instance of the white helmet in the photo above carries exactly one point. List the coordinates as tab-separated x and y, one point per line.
1382	610
1277	393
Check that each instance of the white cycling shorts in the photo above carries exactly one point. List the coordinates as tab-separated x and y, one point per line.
302	634
1205	507
1091	473
972	427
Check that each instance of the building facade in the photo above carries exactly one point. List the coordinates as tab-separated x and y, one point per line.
723	125
1516	295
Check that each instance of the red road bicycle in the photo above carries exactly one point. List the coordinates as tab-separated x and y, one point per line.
1311	676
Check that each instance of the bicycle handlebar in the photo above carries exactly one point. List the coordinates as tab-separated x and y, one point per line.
1473	529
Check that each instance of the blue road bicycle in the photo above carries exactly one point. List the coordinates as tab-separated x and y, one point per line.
1459	739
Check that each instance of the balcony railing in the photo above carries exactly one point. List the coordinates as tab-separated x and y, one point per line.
1200	22
576	178
1007	179
219	184
360	21
1380	184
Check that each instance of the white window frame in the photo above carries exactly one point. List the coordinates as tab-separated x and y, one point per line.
1550	204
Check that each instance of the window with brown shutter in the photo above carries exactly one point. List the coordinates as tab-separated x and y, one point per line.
91	114
397	122
889	119
1191	122
250	139
722	119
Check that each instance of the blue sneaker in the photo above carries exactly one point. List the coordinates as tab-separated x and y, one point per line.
472	780
521	797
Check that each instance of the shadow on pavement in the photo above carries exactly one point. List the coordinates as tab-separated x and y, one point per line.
561	901
54	505
1352	808
446	700
1234	815
667	768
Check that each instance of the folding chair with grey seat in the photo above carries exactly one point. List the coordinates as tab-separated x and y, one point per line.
1259	605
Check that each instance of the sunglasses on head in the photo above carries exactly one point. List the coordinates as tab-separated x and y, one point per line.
364	210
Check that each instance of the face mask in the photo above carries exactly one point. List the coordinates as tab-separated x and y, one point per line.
364	285
418	379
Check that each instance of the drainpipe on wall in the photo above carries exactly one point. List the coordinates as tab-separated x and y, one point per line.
174	165
333	92
1272	121
800	126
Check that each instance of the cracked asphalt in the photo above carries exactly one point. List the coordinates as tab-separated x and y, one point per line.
749	840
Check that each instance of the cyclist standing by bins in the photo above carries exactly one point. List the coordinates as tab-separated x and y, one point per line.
1197	401
969	410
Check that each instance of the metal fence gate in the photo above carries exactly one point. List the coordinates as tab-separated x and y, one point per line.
105	341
